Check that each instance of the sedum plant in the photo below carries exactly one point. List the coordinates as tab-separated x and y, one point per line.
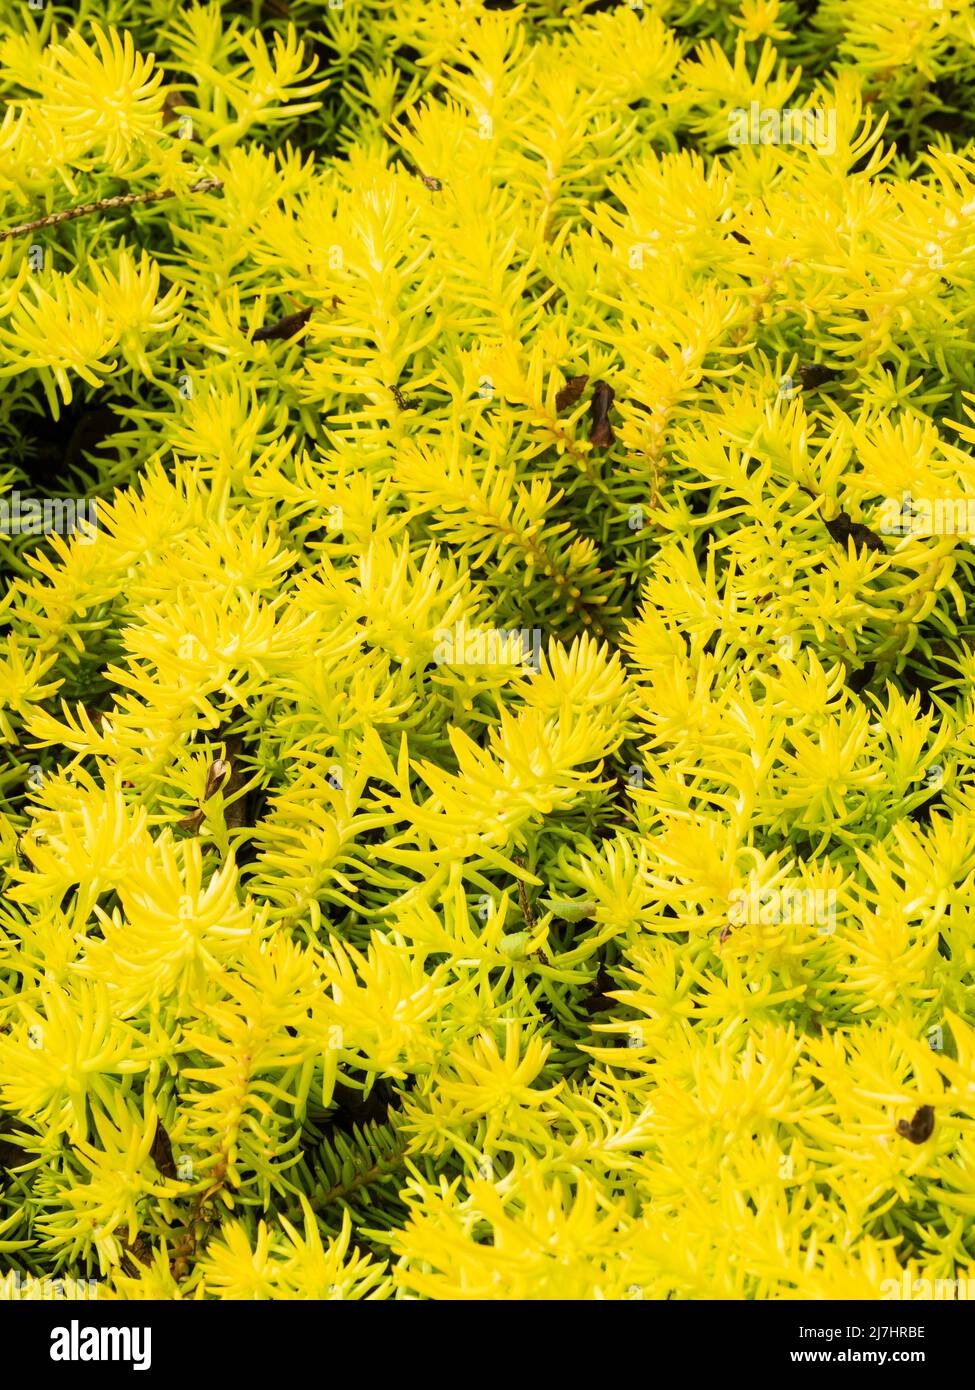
487	809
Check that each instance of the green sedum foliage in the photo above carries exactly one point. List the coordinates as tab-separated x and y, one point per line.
344	952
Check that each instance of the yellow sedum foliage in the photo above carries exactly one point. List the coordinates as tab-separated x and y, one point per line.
466	831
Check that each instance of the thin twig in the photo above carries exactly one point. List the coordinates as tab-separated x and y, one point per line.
124	200
526	911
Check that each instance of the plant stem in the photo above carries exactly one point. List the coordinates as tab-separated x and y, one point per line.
124	200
